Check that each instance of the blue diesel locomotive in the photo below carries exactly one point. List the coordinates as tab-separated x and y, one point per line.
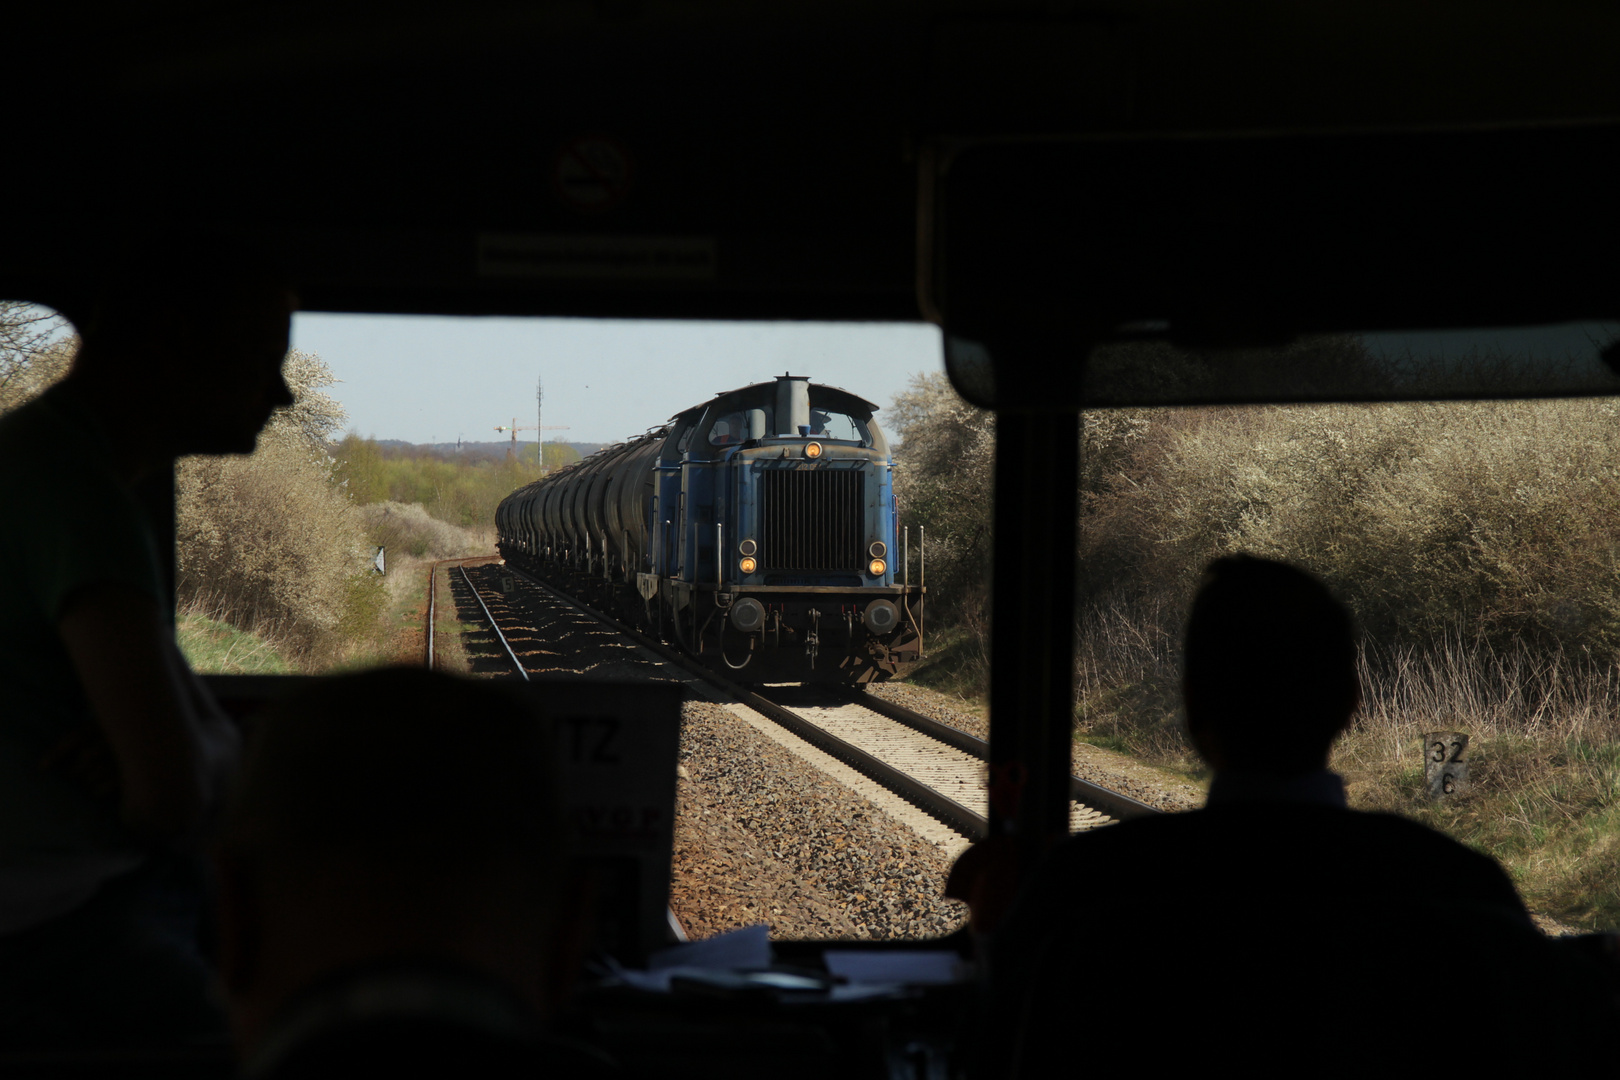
757	531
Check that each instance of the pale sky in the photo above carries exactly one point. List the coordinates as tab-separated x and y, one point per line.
435	379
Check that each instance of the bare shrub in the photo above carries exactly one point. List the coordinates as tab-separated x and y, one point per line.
32	354
1488	520
266	542
1127	679
408	529
943	475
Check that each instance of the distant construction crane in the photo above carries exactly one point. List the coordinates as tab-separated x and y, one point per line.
539	426
514	428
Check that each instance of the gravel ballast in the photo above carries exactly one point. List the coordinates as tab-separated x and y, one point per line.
762	837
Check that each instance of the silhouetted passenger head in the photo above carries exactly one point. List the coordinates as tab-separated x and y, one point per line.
190	330
1270	667
396	814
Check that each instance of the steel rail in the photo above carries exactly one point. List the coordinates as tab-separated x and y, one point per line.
433	590
970	824
1116	804
429	653
493	625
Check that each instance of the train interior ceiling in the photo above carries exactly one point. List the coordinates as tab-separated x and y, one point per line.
1039	179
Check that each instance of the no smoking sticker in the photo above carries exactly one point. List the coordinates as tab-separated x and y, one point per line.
593	173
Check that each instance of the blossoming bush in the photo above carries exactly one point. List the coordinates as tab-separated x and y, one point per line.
268	542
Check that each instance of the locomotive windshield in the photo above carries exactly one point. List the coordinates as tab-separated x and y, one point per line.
733	427
750	416
840	426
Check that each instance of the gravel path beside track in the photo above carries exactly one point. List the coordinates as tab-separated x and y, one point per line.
1117	772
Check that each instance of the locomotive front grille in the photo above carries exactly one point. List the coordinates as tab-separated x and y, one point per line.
812	520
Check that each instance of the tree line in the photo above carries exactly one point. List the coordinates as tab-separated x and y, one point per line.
1491	521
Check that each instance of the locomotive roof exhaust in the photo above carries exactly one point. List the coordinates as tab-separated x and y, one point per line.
792	404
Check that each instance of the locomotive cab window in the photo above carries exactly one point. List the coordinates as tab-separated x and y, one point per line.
755	416
732	428
841	426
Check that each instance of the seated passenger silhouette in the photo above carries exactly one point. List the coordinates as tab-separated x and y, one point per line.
112	754
390	891
1276	929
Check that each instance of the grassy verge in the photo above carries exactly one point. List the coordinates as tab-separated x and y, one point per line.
1544	767
957	663
216	648
1547	808
384	624
397	634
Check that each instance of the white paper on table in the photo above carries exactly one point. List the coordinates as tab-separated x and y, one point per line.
735	950
915	967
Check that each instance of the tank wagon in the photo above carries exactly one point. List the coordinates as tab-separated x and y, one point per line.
756	531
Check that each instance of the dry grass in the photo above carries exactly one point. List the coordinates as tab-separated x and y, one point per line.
1544	753
1544	764
1127	692
217	648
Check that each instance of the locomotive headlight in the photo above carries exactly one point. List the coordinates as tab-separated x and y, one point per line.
747	547
876	567
878	549
747	565
812	450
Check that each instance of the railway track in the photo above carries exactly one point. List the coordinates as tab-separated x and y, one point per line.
930	765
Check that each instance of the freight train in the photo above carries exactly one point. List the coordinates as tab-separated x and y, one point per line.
756	531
